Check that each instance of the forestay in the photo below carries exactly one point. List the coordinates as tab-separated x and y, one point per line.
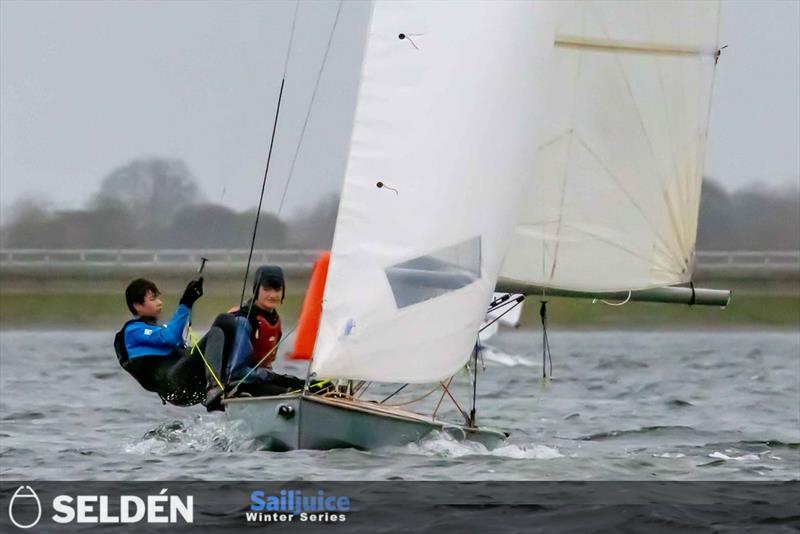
617	187
449	106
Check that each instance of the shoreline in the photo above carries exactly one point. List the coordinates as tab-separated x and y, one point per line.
35	303
98	312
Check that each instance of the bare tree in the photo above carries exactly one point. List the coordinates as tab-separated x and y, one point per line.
153	190
313	227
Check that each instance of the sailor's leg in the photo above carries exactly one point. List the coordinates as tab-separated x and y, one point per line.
186	378
227	324
287	381
212	346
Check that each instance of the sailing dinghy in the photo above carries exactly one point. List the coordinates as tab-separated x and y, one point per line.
444	174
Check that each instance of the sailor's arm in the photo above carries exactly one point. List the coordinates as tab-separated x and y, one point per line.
168	335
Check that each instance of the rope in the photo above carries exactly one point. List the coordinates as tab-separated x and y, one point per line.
463	413
474	384
415	400
194	339
607	303
256	366
398	390
546	354
516	301
435	410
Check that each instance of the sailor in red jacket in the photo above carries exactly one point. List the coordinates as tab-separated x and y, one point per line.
269	290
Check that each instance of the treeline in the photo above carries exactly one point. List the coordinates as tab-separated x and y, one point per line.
750	219
155	203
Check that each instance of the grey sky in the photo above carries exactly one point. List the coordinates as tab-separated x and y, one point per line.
88	86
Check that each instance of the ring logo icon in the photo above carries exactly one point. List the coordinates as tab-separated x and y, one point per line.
25	501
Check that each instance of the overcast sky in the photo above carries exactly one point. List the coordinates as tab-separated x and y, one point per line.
88	86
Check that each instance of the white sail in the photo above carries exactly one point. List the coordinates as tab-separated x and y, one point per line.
617	187
449	105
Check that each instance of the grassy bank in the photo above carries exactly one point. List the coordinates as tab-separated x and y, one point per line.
95	302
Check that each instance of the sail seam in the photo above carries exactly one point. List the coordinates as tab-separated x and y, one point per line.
622	188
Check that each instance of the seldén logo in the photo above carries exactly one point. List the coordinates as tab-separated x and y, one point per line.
25	508
24	498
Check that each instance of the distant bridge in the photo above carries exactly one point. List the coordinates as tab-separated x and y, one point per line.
739	262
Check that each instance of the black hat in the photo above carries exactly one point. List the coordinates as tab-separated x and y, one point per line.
269	276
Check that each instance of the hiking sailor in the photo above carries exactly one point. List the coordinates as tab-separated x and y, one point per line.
156	355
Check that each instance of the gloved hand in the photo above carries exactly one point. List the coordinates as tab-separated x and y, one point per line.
193	291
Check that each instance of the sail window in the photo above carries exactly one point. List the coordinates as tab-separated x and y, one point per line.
433	275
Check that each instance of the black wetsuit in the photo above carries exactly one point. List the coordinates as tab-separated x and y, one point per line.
181	377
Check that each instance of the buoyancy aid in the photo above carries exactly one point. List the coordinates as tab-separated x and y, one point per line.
265	337
132	366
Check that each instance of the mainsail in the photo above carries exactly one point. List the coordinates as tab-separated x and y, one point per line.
450	102
617	186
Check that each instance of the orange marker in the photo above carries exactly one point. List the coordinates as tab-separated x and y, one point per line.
311	311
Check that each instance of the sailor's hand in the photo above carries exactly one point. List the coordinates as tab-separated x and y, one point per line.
193	291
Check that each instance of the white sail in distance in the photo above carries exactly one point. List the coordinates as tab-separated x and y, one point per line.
617	187
451	98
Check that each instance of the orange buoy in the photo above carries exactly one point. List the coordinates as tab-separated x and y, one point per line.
311	311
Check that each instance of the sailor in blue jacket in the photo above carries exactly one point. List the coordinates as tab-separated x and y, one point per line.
156	355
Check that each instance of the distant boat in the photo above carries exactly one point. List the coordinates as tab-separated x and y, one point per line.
445	191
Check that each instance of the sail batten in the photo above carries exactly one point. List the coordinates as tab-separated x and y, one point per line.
651	49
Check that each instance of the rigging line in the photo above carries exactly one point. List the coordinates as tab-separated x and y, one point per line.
398	390
412	401
499	306
474	384
256	366
291	39
609	303
546	354
269	158
438	404
261	198
446	390
499	300
363	390
310	107
518	300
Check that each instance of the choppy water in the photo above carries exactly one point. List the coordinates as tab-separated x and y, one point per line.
622	405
